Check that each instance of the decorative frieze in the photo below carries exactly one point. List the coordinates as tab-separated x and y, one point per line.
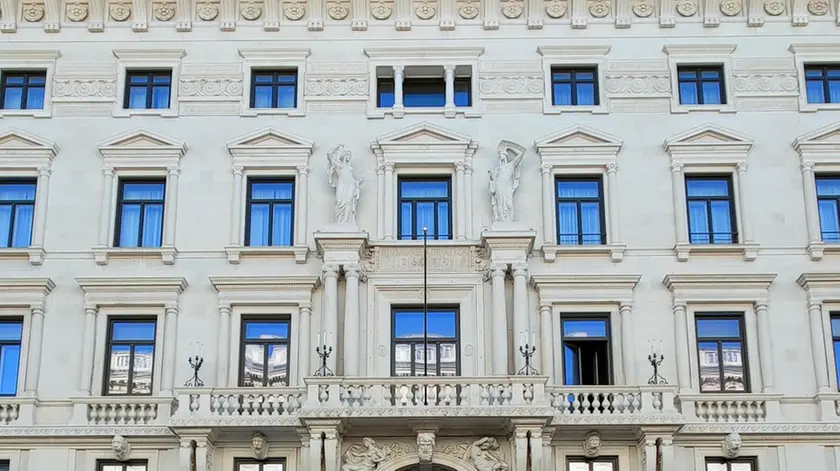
468	9
338	9
643	83
71	88
209	87
76	11
384	259
337	87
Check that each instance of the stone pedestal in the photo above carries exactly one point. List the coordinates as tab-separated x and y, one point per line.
508	245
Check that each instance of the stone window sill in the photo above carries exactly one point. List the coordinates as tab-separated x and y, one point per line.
555	109
34	254
163	113
684	251
25	113
254	112
551	251
236	252
677	108
102	255
816	250
467	112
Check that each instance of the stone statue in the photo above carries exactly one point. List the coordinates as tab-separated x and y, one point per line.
592	445
504	180
364	457
121	448
259	445
346	185
731	445
483	454
425	446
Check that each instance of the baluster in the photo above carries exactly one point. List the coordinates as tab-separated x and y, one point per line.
596	402
576	404
528	394
4	414
484	394
344	395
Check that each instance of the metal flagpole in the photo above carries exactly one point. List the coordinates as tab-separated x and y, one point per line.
425	323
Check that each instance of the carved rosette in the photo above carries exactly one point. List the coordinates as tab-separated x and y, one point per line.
468	9
556	8
164	11
599	8
336	87
381	9
510	85
512	9
774	7
779	83
84	88
339	9
76	11
120	11
251	10
643	8
638	84
210	87
687	7
294	10
207	11
425	10
730	7
33	12
818	7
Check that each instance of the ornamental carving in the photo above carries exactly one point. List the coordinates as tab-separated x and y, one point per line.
425	10
410	260
339	9
76	11
339	86
259	446
294	10
251	10
592	445
121	448
468	9
512	9
643	8
207	11
818	7
426	446
599	8
484	454
210	87
556	8
84	88
785	82
731	445
638	84
120	11
687	7
774	7
730	7
33	12
164	11
511	85
381	10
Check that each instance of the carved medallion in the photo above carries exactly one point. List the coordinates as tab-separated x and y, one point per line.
338	11
251	11
77	11
642	8
512	9
33	12
774	7
556	9
164	11
294	11
599	8
687	7
818	7
207	11
730	7
120	11
380	10
468	10
425	10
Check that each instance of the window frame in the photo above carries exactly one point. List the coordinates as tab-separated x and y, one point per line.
591	461
805	55
733	213
698	82
752	460
581	56
149	86
255	60
601	207
824	80
606	317
19	343
689	55
243	342
275	86
461	81
121	182
100	464
395	308
250	180
237	462
398	203
723	315
27	74
817	178
142	59
573	71
14	61
109	343
834	338
13	204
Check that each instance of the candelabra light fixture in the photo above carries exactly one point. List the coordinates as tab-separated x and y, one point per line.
324	350
196	359
655	359
527	350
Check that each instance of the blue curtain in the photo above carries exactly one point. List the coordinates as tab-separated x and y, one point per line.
35	99
152	225
9	366
585	94
814	91
282	230
258	236
722	222
829	225
698	223
130	225
711	93
688	93
262	96
20	221
130	231
562	94
567	213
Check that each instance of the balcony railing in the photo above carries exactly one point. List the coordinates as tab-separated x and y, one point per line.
612	400
232	405
17	410
731	408
121	410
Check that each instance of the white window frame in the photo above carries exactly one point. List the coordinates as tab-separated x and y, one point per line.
31	59
562	453
290	454
813	54
18	459
138	154
141	59
271	59
579	150
269	152
29	156
711	149
701	54
424	56
424	149
823	290
818	153
568	56
151	455
760	453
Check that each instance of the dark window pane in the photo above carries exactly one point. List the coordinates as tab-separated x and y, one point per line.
133	331
138	79
828	186
687	75
262	96
704	187
271	191
718	328
11	331
584	328
266	330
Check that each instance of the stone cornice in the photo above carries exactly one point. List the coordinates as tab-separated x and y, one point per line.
424	52
571	289
25	291
567	146
719	287
829	49
149	54
30	55
821	145
576	50
709	143
821	286
278	290
141	148
19	149
423	144
132	290
279	54
699	49
270	148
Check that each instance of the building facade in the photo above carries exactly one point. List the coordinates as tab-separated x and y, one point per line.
217	220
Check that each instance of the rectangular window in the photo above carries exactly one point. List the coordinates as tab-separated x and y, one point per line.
822	83
424	92
140	213
11	331
274	88
835	340
828	201
425	202
264	355
269	217
722	353
147	89
711	212
602	463
5	465
23	90
701	85
739	464
133	465
437	329
17	209
577	86
271	464
130	356
586	350
580	211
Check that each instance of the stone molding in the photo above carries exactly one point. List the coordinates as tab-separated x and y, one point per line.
720	287
132	290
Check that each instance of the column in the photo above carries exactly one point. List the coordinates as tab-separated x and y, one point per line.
171	209
765	348
399	110
743	202
88	343
302	202
468	218
330	309
223	346
380	203
490	8
679	202
390	217
548	205
305	340
649	452
98	361
812	217
170	346
449	79
499	333
751	334
33	362
236	211
520	448
520	310
461	201
547	450
681	346
612	189
628	351
351	320
815	315
41	196
666	449
105	208
547	342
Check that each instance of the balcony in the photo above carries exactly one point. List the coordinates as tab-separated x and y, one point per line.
731	408
122	410
239	406
613	404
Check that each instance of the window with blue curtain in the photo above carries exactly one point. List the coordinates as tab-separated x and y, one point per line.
835	340
140	213
580	211
23	90
424	92
701	85
586	349
264	355
574	86
147	89
711	212
11	332
269	219
130	356
17	209
822	83
425	202
274	88
438	328
721	352
828	201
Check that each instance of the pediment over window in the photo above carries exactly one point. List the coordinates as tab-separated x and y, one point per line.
709	141
270	147
822	144
423	143
142	148
19	149
578	144
719	287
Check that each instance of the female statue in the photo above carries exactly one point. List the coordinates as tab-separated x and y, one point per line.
346	185
504	180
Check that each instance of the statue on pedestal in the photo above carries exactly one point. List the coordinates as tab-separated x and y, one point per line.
346	184
504	180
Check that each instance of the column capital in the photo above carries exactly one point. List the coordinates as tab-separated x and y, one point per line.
352	270
679	306
174	170
225	307
380	169
91	309
815	306
677	167
108	171
389	166
449	68
468	168
741	166
237	169
545	307
398	69
545	169
171	309
625	308
520	269
305	307
612	167
762	306
460	166
302	170
329	270
44	171
807	166
497	269
37	309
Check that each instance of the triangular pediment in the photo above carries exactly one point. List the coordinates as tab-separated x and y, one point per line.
709	134
578	142
14	141
822	140
578	136
424	133
423	144
269	138
140	140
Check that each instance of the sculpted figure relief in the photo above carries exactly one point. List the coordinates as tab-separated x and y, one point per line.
425	446
259	445
504	180
592	445
121	448
485	456
364	457
732	445
346	185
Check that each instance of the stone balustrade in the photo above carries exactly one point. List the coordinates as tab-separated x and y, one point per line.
612	400
17	410
121	410
221	406
731	407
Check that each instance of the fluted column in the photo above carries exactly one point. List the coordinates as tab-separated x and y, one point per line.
812	217
399	109
681	346
678	195
499	333
612	185
468	218
815	317
548	205
171	209
449	79
33	362
330	275
628	351
547	342
666	449
765	348
302	202
520	309
105	207
390	216
236	210
751	335
223	346
352	273
41	197
305	340
461	201
99	348
88	343
380	203
744	203
170	345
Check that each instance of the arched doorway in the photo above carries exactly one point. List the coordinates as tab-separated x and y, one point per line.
426	467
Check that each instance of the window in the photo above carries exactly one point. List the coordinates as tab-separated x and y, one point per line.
140	213
701	85
23	90
424	92
147	89
133	465
835	339
711	213
11	331
721	352
580	211
269	218
5	465
130	357
586	350
271	464
17	206
574	86
602	463
822	83
425	202
438	329
264	358
723	464
828	201
274	89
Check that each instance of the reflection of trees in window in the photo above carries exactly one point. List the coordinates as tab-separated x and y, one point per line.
264	356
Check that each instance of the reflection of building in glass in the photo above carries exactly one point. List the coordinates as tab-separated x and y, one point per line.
447	353
255	368
120	363
733	369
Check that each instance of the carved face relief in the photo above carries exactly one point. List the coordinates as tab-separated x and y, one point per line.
121	448
259	445
732	445
592	445
425	446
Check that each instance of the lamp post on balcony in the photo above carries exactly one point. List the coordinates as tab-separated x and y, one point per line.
196	359
655	359
527	350
324	350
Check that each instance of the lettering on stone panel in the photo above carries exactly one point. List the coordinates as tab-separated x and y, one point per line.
338	9
381	9
772	83
212	87
410	259
336	86
500	86
468	9
643	84
76	11
84	88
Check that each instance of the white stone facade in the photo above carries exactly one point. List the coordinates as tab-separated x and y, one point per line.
648	279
